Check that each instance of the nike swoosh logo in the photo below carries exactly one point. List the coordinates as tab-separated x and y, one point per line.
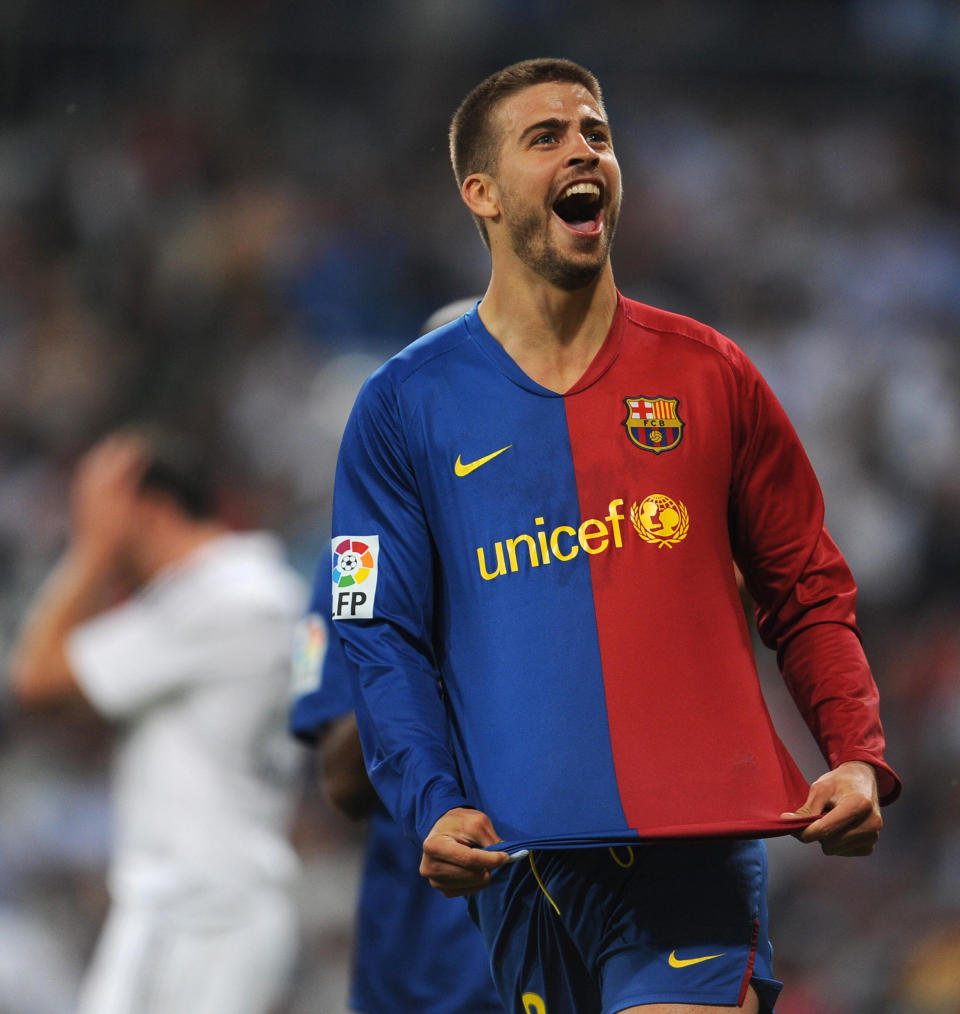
465	469
676	962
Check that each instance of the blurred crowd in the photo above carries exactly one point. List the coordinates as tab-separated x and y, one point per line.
226	215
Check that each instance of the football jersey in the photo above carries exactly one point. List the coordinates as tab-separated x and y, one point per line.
415	952
537	590
194	669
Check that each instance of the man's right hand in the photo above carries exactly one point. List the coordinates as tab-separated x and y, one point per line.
104	495
454	858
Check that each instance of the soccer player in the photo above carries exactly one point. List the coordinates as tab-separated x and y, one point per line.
399	964
537	513
193	668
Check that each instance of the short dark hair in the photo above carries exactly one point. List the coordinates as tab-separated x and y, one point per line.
179	466
474	145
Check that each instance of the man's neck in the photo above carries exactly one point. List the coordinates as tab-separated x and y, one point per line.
552	334
174	542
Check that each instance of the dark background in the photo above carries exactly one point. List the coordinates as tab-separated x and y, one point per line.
227	214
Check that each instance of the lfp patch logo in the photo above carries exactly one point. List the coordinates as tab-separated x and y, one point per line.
309	647
355	560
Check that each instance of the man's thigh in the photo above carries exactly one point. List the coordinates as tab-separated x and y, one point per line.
750	1006
536	967
607	930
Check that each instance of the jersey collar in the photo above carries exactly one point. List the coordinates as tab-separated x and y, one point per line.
605	358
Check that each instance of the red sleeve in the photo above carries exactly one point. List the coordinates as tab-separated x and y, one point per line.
805	593
827	673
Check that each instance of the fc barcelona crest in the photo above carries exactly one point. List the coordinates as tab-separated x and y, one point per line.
653	423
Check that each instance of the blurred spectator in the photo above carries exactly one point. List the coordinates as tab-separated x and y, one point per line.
192	667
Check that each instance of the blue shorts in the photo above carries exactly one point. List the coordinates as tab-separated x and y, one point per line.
595	931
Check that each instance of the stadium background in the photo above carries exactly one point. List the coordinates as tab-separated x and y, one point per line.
229	213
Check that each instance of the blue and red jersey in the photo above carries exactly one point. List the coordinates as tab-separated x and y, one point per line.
538	591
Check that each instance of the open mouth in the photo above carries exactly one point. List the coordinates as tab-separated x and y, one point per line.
580	207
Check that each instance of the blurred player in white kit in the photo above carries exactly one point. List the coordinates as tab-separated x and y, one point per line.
192	667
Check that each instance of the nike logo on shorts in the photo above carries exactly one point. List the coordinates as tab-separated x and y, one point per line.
676	962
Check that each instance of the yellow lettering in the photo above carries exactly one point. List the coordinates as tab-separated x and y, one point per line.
563	543
555	543
533	1003
614	518
593	529
501	566
512	551
542	539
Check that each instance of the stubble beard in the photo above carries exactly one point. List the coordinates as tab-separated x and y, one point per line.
529	236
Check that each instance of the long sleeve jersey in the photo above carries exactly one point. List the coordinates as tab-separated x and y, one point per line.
537	590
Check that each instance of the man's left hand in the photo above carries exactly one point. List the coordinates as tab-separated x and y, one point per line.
847	799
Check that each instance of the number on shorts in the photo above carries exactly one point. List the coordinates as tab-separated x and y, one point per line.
533	1004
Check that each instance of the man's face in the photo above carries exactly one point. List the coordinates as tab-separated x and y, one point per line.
558	180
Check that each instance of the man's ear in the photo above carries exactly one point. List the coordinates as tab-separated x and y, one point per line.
481	195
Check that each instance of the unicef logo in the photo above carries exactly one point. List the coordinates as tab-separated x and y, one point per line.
353	563
659	520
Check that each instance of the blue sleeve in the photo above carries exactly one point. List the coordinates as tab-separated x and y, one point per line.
322	688
383	605
328	700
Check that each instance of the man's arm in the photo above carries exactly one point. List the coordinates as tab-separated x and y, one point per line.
343	774
321	711
101	502
454	860
401	718
827	673
806	599
40	671
453	857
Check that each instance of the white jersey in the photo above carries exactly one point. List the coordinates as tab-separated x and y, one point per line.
194	669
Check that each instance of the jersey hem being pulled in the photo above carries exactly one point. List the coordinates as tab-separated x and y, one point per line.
630	836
